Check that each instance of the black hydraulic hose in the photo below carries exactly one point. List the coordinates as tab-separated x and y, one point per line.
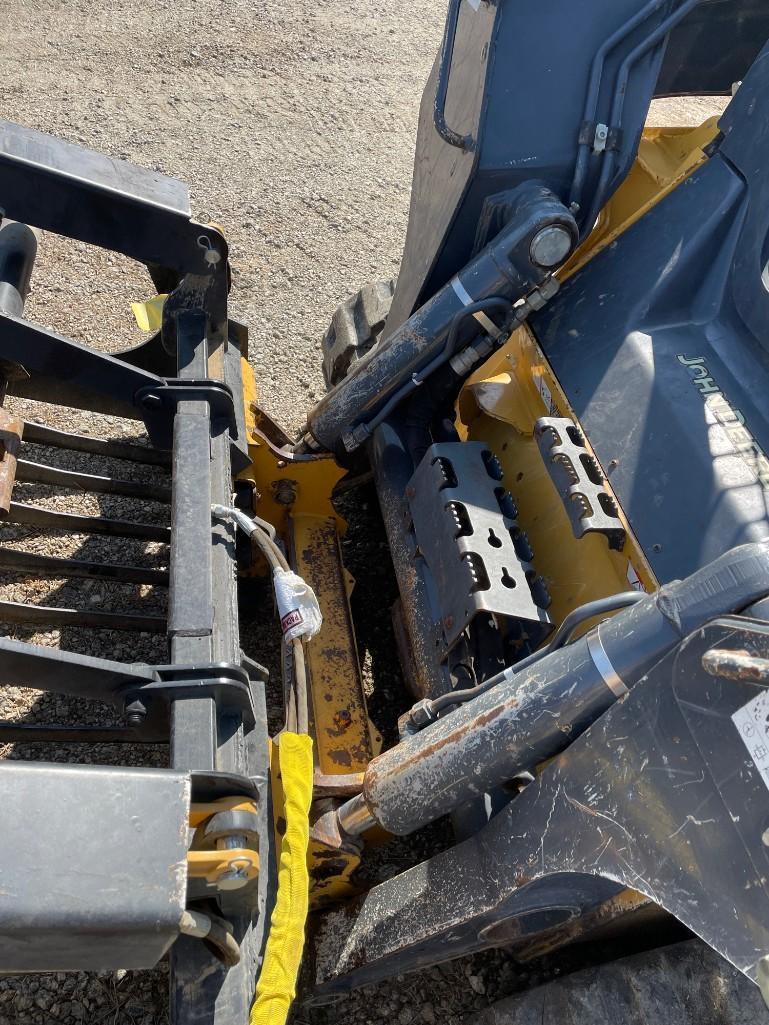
215	932
438	390
591	100
297	710
591	609
599	607
618	105
492	303
424	406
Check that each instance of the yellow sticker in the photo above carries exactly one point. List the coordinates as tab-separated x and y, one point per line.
149	314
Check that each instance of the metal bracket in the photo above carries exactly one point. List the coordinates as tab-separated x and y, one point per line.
82	194
65	672
228	684
122	885
465	528
579	480
600	137
172	391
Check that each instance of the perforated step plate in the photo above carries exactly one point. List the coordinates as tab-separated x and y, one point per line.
466	530
579	480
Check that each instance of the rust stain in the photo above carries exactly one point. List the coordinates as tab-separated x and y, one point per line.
390	762
341	724
735	665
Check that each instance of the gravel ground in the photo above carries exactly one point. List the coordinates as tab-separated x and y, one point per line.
294	127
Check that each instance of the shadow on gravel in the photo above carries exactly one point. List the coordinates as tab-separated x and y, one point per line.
84	595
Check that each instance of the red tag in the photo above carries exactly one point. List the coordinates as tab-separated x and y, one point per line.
292	618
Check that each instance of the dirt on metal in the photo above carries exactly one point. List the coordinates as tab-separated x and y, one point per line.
294	126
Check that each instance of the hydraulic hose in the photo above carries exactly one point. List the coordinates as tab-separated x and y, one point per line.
618	105
438	384
215	932
591	609
276	987
297	715
591	100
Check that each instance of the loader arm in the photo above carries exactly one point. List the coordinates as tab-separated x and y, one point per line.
562	410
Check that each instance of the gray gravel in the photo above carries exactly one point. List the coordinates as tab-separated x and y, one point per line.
294	127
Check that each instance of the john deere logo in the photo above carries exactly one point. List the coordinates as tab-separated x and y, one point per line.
730	419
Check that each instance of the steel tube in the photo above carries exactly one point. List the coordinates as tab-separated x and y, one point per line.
503	268
354	816
18	249
533	715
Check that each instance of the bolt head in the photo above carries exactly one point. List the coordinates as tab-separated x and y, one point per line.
550	246
135	712
765	838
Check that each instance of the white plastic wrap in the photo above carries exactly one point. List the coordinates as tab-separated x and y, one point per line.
298	607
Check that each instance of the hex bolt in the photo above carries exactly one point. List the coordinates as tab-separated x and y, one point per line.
135	712
284	491
550	246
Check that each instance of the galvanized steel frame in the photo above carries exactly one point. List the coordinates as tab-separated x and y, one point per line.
214	716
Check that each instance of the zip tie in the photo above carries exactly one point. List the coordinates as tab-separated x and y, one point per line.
467	300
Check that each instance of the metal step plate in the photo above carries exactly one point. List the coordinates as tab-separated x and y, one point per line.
465	525
579	480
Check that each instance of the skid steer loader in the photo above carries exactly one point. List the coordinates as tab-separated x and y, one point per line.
563	406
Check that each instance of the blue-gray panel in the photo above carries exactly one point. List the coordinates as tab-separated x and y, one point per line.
518	84
713	47
662	346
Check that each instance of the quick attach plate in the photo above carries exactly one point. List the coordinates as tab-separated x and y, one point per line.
466	531
579	480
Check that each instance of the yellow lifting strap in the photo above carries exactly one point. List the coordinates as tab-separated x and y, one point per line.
283	954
